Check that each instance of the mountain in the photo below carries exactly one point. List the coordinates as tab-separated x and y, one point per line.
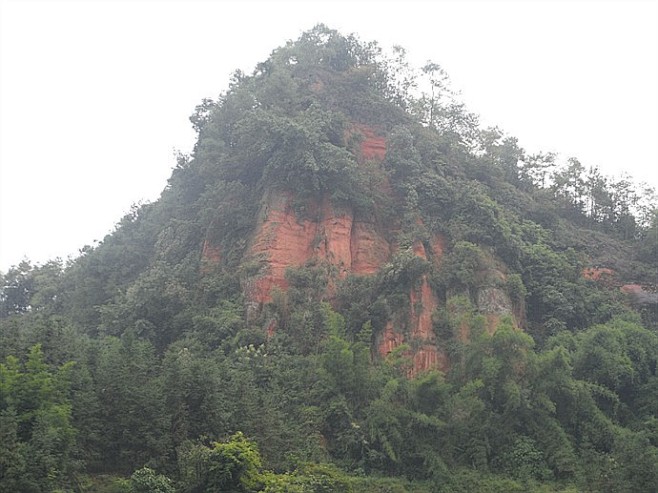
351	286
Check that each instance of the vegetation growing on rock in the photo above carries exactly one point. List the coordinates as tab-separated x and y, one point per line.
348	286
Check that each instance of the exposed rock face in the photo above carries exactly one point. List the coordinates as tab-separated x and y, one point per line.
491	297
419	334
335	238
286	238
319	232
598	273
429	357
639	295
389	340
368	247
437	248
283	239
373	147
423	302
494	303
288	234
210	254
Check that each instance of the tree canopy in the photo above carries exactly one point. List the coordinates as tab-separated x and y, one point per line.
143	364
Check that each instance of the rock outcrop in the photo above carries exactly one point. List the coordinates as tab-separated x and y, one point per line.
636	294
418	332
423	302
372	146
640	295
285	238
288	237
290	233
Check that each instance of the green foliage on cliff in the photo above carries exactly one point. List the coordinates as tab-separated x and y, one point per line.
147	360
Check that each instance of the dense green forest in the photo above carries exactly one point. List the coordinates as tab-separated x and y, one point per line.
148	364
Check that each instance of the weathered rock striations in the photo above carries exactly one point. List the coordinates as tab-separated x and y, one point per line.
281	241
335	238
389	340
423	302
369	249
423	350
372	146
289	234
284	239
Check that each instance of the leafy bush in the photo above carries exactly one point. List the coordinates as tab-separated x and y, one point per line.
146	480
226	466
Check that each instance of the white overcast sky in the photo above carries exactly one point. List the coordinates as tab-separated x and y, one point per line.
95	96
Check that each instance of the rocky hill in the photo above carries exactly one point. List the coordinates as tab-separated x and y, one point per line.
348	285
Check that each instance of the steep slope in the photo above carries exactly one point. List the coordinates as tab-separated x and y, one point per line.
338	177
319	232
321	158
362	280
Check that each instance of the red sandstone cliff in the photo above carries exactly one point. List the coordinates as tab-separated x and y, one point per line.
423	302
288	235
284	239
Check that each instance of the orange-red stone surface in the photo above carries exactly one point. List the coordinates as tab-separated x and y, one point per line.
284	240
373	147
369	248
596	274
423	302
390	340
